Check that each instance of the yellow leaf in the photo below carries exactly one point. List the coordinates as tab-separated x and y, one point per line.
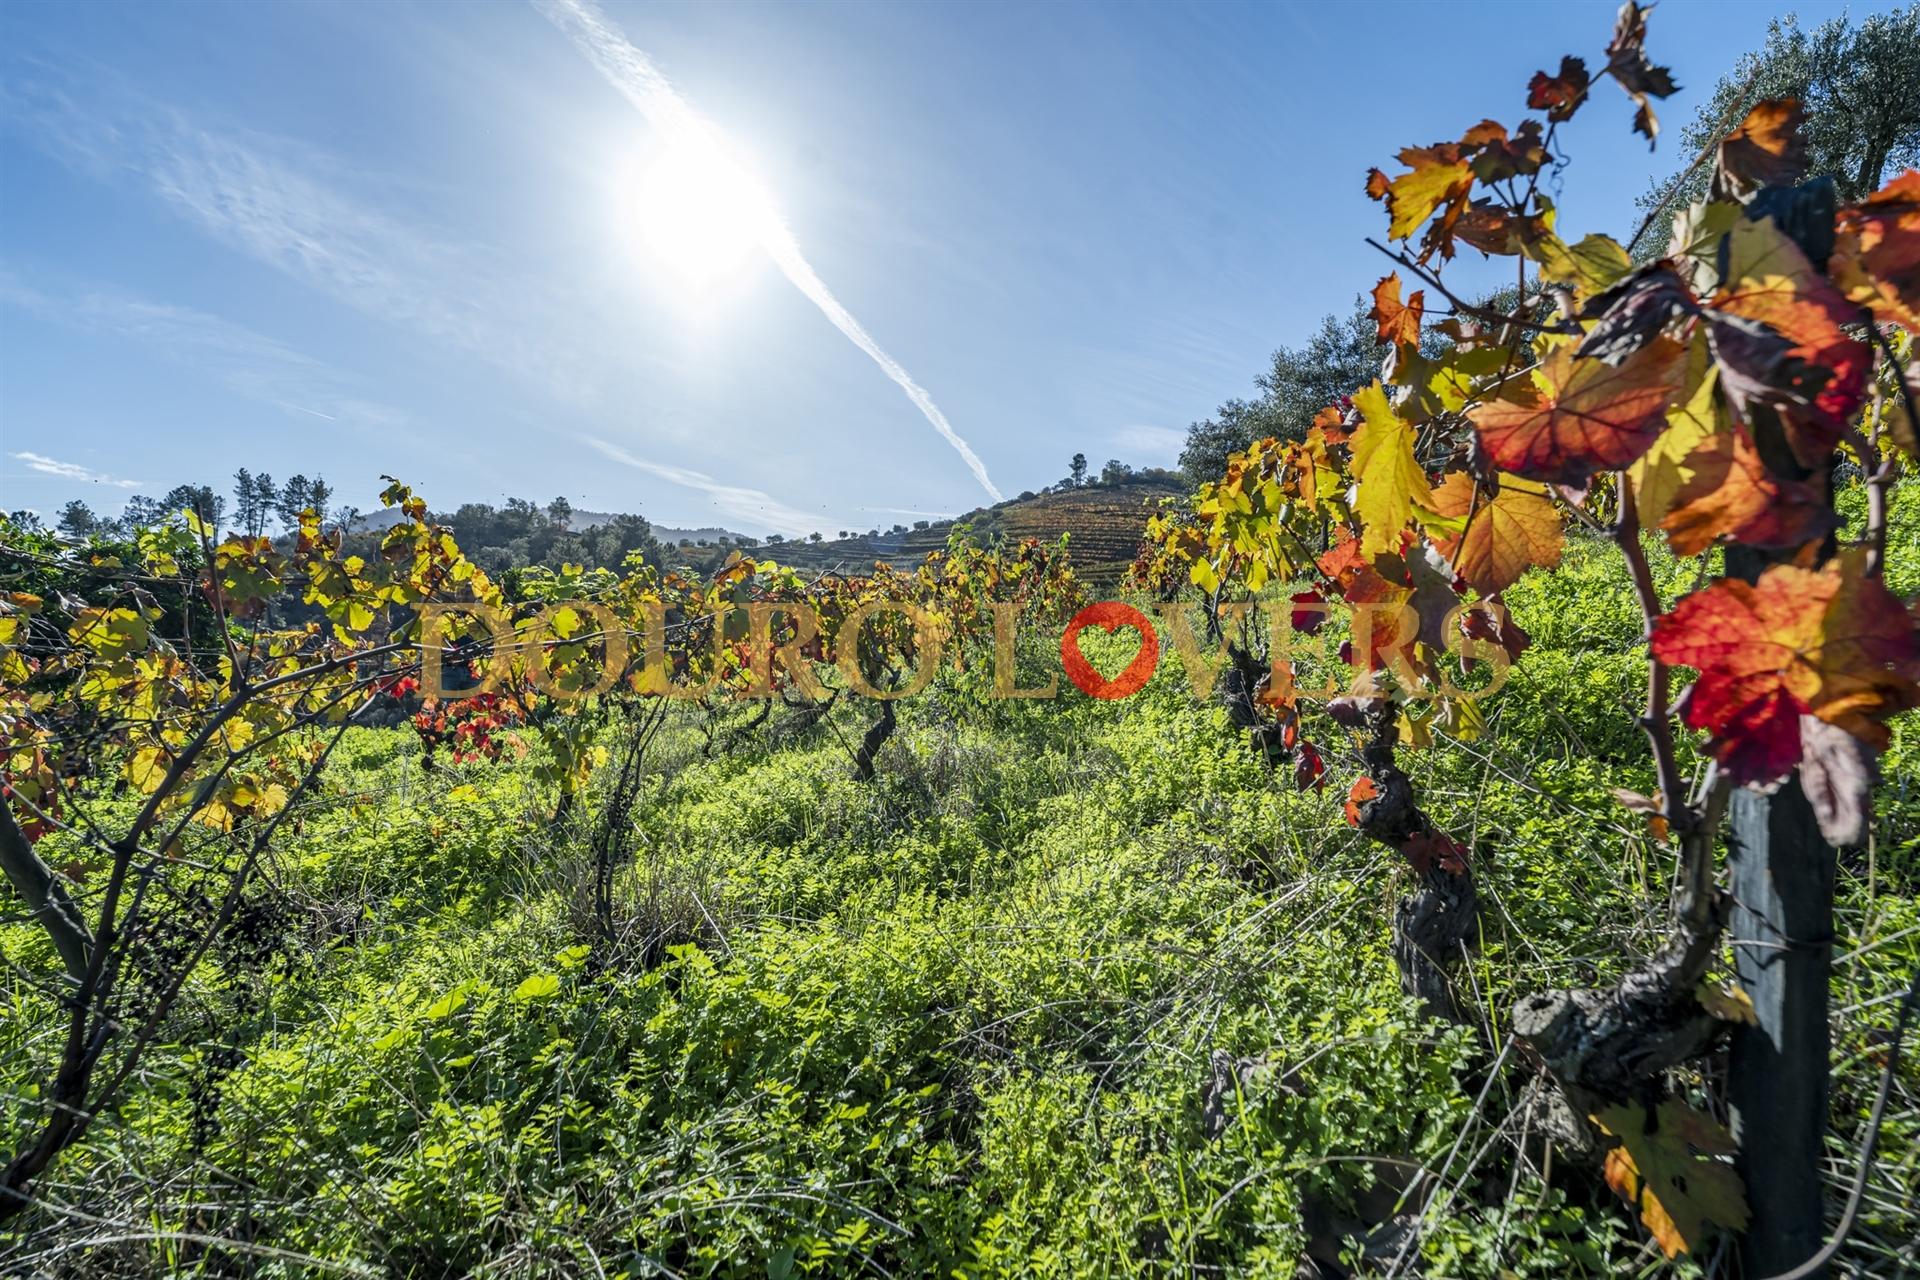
1727	1002
1664	1168
1588	267
1663	470
148	769
1388	479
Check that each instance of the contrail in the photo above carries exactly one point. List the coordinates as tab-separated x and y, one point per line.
635	76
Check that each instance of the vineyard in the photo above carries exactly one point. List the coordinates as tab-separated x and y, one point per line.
1102	526
1477	835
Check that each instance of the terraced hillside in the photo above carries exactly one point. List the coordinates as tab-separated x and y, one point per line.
1103	524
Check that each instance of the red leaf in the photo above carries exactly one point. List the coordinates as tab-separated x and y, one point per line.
1424	848
1834	643
1583	416
1559	95
1813	373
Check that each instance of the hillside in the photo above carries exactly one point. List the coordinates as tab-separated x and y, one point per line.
1103	526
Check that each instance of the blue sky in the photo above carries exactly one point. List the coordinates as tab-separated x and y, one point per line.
357	239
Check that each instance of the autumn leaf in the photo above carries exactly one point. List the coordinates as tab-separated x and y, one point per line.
1309	611
1388	480
1663	1167
1731	494
1343	561
1587	267
1397	324
1424	849
1726	1002
1876	255
148	769
1765	151
1363	790
1664	470
1492	227
1498	156
1486	625
1507	533
1837	773
1437	177
1833	643
1580	417
1628	64
1634	312
1791	353
1559	95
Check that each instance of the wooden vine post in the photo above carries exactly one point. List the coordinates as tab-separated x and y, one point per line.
1777	1085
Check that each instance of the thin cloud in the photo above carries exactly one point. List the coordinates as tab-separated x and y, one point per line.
640	82
1158	442
290	206
247	363
736	503
72	471
907	511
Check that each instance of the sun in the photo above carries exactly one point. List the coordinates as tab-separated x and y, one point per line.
699	213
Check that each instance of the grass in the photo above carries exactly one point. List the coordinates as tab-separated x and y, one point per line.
1072	989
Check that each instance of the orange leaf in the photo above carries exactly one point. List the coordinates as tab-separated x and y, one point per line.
1396	323
1363	790
1833	642
1508	532
1732	495
1876	255
1765	151
1814	374
1664	1168
1583	416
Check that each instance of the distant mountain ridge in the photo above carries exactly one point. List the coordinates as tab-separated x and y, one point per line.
1103	524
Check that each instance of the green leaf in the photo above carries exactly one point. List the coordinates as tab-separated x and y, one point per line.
541	986
447	1005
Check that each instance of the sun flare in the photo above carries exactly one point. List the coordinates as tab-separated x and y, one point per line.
700	213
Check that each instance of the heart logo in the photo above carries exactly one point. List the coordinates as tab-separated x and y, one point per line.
1109	616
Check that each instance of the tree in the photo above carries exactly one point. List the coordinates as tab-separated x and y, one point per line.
816	536
77	520
319	494
1345	353
1858	84
243	507
1077	471
253	501
197	498
293	498
142	512
1115	473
